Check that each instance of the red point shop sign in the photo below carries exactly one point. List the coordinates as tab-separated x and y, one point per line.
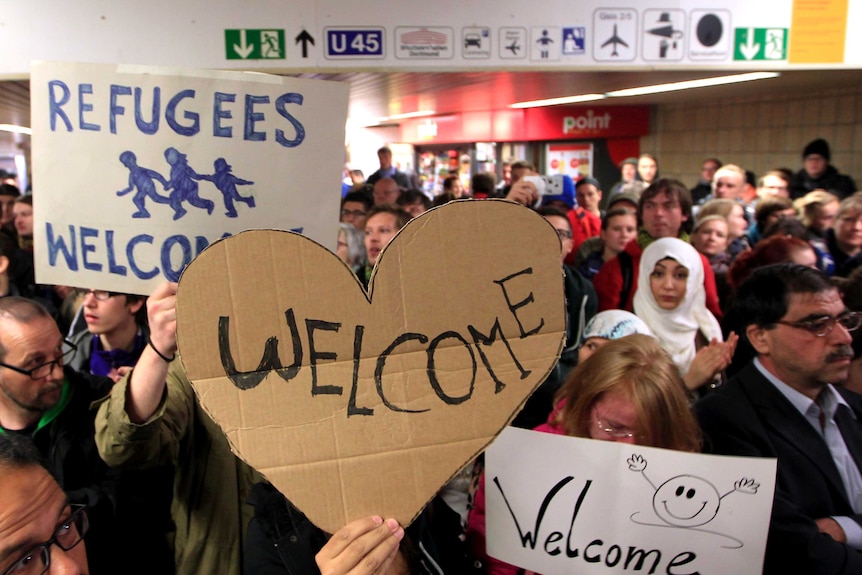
559	123
534	124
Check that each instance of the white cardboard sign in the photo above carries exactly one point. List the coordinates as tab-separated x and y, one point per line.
559	505
137	169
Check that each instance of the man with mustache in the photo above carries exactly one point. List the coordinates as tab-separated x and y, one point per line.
785	405
47	402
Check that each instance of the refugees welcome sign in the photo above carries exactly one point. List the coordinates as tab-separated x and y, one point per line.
137	170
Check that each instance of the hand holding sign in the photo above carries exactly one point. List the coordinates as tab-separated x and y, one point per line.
355	404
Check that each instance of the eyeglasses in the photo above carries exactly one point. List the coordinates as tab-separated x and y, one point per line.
67	535
45	369
823	326
615	432
100	295
354	213
563	234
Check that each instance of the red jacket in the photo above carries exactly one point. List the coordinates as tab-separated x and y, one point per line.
585	225
609	282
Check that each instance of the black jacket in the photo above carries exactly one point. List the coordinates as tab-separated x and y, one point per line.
749	417
831	181
124	515
282	541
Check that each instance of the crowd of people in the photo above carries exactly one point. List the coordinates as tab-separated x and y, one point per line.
717	319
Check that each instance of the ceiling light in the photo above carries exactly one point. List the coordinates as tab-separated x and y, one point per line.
558	101
407	115
16	129
391	120
688	84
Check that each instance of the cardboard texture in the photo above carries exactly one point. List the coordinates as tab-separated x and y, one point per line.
358	404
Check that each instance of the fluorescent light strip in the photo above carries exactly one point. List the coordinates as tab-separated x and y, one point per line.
657	89
15	129
689	84
558	101
407	115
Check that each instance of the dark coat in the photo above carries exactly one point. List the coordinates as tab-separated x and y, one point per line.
282	541
123	517
830	180
750	417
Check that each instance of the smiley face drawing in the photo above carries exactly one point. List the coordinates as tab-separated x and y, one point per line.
687	501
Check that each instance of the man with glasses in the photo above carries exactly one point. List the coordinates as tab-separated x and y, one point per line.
785	405
354	209
39	529
46	401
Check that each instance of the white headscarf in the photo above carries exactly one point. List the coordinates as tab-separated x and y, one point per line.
676	329
614	324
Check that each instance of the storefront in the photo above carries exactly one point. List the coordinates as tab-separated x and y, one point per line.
575	140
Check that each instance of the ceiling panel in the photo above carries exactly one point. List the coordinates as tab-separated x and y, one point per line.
375	94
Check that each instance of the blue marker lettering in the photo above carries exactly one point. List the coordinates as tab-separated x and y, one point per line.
86	248
171	115
112	259
290	98
130	255
84	107
251	117
116	109
186	246
55	108
152	126
59	245
219	130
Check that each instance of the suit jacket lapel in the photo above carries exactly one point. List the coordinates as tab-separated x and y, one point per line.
784	419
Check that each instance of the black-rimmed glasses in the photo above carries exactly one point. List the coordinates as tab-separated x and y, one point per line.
67	535
823	326
45	369
99	294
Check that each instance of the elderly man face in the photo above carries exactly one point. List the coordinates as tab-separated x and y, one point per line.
798	351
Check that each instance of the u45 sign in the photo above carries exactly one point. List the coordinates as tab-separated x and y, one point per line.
354	43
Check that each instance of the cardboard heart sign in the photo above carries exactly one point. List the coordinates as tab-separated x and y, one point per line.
355	404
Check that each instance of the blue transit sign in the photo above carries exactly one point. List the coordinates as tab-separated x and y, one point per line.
354	43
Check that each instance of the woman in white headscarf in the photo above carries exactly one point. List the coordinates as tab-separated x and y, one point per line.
671	300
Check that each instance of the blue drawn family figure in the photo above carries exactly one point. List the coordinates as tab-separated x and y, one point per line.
183	185
226	183
142	179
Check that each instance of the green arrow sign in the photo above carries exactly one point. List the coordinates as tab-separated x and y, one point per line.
760	44
254	44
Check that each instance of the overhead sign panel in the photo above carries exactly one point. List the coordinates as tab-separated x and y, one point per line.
760	44
307	34
254	44
354	43
709	35
615	35
413	43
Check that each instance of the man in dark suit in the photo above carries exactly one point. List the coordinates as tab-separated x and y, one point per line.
784	405
387	170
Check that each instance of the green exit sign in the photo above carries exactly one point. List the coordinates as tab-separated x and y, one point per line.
760	44
254	44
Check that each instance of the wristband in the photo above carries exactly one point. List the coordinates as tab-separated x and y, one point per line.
160	354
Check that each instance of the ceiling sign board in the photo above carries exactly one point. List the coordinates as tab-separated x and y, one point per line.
454	36
356	403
